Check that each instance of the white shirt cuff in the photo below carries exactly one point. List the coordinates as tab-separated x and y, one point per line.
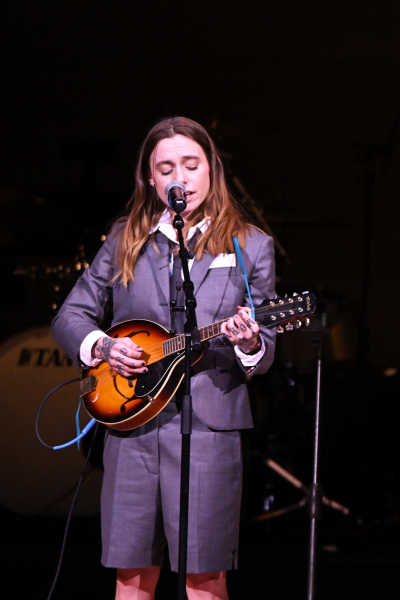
249	360
85	351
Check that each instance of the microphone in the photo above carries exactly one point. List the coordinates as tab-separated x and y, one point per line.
176	194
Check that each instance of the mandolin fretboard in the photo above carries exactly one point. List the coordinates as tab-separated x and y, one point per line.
178	342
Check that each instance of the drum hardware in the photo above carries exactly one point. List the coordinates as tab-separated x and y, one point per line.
303	502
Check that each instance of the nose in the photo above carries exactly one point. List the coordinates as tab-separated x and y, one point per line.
181	174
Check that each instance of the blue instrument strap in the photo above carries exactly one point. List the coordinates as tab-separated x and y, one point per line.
239	255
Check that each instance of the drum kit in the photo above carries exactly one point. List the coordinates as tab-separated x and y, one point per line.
37	276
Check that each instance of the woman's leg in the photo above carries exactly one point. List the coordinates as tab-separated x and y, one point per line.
137	584
207	586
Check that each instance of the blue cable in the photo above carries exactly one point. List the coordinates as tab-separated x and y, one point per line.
84	432
80	435
78	426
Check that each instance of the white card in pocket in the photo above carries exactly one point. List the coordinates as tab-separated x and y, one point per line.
224	260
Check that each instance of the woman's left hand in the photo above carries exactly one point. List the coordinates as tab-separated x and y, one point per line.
242	331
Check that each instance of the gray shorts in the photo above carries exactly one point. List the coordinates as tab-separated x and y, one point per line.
141	491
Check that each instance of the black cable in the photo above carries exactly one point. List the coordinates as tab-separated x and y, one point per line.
41	408
73	500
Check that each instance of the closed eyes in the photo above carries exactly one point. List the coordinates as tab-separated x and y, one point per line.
170	171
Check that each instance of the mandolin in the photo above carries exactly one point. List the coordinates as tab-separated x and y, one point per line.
126	403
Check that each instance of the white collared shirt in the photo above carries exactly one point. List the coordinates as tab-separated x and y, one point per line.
165	226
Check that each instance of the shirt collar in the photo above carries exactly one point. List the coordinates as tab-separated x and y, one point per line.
166	227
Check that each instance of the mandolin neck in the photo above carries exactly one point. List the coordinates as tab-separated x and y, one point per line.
177	343
271	313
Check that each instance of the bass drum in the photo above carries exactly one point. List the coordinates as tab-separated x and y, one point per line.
34	479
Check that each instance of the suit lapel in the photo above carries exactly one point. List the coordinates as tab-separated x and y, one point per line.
161	272
199	271
160	267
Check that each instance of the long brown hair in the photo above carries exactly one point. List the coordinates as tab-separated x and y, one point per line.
144	209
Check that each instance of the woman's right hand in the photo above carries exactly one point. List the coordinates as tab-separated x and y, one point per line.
123	355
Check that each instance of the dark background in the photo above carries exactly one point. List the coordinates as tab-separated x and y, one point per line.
305	98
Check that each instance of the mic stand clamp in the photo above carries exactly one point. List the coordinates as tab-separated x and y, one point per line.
174	308
192	341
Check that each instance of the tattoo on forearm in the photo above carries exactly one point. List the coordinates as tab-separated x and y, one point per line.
105	346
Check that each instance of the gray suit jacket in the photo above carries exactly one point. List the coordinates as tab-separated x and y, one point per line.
219	392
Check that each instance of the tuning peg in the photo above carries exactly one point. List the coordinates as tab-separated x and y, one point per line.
289	327
280	329
295	294
298	324
307	322
306	292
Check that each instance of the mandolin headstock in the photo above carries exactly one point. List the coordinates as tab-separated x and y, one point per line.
286	313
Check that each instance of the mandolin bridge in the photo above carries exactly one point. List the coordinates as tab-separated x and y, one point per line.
87	385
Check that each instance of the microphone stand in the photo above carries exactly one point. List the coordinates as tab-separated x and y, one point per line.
316	495
192	339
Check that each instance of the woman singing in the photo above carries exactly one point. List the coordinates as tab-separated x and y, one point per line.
138	273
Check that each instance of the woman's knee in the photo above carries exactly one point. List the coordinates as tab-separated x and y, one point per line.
213	583
144	579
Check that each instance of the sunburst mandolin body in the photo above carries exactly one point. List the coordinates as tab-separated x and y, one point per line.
123	403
